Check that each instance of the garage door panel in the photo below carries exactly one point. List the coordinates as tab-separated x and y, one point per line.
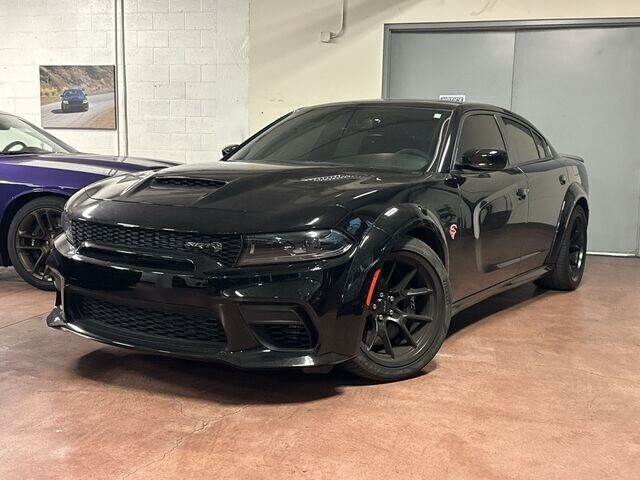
579	87
476	64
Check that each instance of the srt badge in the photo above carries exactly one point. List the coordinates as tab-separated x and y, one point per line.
211	247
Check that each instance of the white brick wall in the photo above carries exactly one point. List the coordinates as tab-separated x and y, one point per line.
186	66
39	32
175	51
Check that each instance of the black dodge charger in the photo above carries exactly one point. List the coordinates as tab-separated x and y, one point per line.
345	234
74	99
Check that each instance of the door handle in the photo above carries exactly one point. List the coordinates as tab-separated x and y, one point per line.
563	179
522	193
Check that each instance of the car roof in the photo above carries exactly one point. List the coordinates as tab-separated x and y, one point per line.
9	114
425	103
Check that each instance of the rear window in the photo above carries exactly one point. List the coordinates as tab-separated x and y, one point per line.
543	148
521	142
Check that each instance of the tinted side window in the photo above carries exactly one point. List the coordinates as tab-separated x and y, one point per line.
521	141
480	132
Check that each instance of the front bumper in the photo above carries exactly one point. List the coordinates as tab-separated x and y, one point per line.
280	316
76	105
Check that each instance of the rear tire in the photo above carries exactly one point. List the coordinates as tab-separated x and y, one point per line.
569	268
30	239
420	306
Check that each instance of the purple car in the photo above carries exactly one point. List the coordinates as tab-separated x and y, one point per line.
38	173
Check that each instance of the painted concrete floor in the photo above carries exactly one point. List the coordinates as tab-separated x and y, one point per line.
529	385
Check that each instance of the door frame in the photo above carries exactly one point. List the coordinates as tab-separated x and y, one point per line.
490	26
502	26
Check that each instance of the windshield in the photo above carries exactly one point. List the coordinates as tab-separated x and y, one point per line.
386	136
73	93
18	137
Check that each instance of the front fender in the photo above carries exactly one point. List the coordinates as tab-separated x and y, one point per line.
386	232
575	193
399	220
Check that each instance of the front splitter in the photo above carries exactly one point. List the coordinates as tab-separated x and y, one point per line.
248	359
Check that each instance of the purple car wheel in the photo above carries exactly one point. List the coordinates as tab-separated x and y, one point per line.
31	236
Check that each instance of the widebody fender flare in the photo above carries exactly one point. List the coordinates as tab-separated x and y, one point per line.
385	232
575	194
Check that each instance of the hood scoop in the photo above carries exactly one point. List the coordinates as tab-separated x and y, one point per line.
333	178
186	182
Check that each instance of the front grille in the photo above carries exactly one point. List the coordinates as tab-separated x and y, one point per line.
289	336
158	240
186	182
112	319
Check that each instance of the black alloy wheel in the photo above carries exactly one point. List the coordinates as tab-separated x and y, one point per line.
577	247
401	314
31	235
568	270
408	316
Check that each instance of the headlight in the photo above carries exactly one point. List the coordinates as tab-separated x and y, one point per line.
85	101
293	247
65	102
65	223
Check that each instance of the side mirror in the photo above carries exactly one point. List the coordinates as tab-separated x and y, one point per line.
485	159
228	149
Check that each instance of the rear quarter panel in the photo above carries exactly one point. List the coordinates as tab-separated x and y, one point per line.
577	193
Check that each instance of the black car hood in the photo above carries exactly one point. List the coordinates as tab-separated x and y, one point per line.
267	196
249	187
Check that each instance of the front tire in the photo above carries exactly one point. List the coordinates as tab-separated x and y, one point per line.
569	268
409	315
30	239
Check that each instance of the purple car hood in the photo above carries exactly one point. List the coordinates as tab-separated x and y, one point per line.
102	165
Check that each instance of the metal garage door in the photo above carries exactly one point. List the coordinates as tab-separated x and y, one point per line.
477	64
579	85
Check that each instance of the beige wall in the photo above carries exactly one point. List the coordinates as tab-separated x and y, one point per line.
290	67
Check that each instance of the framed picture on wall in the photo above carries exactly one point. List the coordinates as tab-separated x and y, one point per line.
78	96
